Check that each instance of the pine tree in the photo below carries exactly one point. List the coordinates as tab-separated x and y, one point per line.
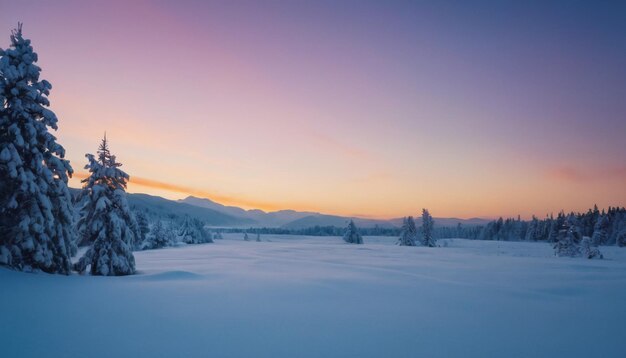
245	236
143	228
568	244
352	235
600	231
427	229
159	237
36	213
408	234
555	227
589	250
532	233
106	219
258	236
192	232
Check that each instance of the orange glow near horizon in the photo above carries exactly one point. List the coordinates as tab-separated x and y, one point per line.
156	186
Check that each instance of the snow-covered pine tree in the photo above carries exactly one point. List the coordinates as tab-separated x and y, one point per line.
427	229
36	212
258	236
352	235
159	237
600	231
620	239
192	232
568	244
589	250
408	234
555	227
532	232
245	236
143	229
105	218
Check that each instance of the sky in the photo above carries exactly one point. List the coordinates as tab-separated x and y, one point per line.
359	108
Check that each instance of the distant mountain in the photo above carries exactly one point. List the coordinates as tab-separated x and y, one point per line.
291	219
165	207
259	217
161	207
445	221
332	220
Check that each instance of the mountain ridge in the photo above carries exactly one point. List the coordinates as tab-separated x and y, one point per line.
292	219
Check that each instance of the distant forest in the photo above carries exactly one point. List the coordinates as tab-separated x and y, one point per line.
610	225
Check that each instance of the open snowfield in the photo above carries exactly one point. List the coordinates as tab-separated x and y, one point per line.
319	297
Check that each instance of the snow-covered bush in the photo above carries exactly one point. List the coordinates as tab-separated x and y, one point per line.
352	235
106	220
408	235
36	212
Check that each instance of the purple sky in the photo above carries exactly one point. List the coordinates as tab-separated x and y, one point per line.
350	107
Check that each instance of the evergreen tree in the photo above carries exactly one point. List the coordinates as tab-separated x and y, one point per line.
427	229
245	236
408	233
36	213
352	235
192	232
258	236
159	237
600	231
532	232
106	219
589	250
621	239
143	229
568	244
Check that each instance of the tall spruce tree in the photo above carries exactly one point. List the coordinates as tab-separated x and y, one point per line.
352	235
36	213
427	229
105	218
408	234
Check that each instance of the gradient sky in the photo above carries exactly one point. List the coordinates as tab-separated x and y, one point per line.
370	108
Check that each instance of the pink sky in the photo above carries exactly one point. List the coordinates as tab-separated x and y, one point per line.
356	108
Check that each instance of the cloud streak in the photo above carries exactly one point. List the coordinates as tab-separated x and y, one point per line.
222	199
572	174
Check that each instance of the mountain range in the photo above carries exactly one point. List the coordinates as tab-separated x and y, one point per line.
291	219
219	215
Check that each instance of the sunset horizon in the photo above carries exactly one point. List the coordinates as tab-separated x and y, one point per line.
358	110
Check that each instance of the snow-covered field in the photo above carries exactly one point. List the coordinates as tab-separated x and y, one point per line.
319	297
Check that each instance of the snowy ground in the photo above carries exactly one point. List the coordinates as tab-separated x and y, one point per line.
318	297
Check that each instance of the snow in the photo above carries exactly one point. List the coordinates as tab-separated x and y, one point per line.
320	297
